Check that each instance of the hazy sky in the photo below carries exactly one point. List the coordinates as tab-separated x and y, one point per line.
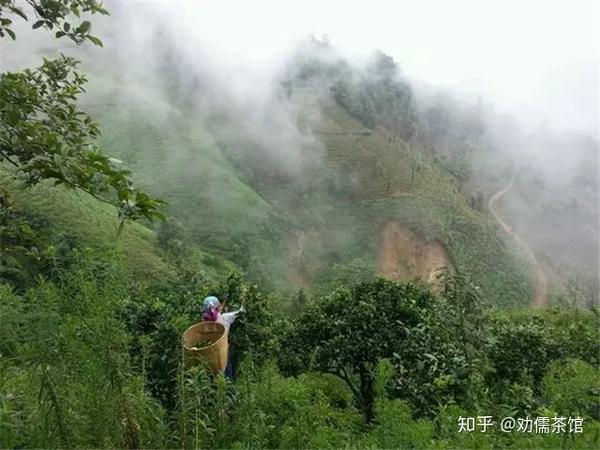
538	59
530	54
511	44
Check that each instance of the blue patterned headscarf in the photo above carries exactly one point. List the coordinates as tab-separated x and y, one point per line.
210	302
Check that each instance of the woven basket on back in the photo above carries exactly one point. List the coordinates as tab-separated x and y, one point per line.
214	354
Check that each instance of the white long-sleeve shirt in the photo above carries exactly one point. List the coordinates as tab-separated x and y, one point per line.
228	318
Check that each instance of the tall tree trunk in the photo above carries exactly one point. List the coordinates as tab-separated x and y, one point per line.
367	393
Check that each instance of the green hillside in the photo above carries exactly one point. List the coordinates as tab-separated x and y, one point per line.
78	216
401	182
237	204
228	198
75	219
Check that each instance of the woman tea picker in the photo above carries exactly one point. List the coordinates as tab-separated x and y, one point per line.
212	312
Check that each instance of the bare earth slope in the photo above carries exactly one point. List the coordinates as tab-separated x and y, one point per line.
403	255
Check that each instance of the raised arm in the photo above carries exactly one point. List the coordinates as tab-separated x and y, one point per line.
229	317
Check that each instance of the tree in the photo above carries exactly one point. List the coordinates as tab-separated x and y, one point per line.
349	332
253	332
464	314
377	96
52	14
43	134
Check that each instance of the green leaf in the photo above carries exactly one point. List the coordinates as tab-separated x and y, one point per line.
101	10
60	34
94	40
38	24
84	27
18	12
11	33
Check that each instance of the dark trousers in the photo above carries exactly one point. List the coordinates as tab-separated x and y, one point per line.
229	373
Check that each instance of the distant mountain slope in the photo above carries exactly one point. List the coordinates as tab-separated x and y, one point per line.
178	159
394	181
312	231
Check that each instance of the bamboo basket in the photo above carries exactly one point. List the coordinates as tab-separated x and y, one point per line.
214	354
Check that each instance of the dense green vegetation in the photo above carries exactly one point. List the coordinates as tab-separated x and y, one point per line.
91	360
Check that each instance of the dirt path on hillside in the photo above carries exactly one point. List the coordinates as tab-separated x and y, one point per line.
294	252
301	263
540	297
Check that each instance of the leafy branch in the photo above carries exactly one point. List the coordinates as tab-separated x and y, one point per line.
53	15
45	136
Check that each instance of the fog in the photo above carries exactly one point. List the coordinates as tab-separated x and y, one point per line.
528	70
538	59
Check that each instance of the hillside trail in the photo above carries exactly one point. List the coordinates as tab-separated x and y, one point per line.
540	297
296	241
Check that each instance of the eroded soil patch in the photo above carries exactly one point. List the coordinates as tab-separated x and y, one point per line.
403	255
